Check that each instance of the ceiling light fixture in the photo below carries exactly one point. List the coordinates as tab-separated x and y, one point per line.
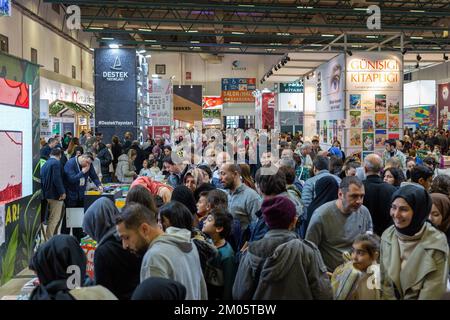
404	51
114	46
417	65
418	57
445	57
349	52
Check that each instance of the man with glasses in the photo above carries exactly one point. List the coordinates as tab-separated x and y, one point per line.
335	225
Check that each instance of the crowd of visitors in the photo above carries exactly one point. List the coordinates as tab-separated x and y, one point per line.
321	225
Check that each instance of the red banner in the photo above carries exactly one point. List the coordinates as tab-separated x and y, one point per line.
14	93
159	131
268	110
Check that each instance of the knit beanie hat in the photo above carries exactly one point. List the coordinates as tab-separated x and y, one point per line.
278	212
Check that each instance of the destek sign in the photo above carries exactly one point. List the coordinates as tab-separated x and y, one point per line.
117	74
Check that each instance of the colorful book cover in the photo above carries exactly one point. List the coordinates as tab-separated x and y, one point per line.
355	119
380	121
380	138
368	143
394	122
355	102
368	124
355	137
380	103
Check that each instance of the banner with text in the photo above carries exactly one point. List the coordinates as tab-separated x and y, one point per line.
444	105
238	90
187	103
115	92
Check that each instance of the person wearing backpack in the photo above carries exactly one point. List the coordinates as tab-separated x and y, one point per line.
280	265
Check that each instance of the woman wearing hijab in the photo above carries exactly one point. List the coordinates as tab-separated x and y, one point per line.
114	267
51	262
440	213
326	190
159	289
414	254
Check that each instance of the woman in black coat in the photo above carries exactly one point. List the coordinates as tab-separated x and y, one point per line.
114	267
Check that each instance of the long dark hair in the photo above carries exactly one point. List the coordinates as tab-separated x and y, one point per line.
178	215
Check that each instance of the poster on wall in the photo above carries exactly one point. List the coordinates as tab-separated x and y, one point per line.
423	116
393	103
376	77
367	124
11	164
394	122
238	90
444	105
355	118
330	80
187	103
380	103
355	102
355	137
15	94
380	121
160	104
368	141
380	138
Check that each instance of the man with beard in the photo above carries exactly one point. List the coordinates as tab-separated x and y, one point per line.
170	255
243	202
336	224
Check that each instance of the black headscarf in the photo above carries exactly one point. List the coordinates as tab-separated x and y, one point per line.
326	190
159	289
420	202
99	218
50	263
184	195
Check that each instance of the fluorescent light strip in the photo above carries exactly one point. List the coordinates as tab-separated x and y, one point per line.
107	38
150	41
276	44
195	41
247	5
234	48
316	45
95	28
417	11
300	7
235	32
283	34
235	42
328	35
147	30
360	9
192	31
417	38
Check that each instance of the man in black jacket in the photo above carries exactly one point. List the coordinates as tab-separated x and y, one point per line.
378	194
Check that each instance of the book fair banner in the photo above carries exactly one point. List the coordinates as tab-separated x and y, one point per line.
115	92
187	103
238	90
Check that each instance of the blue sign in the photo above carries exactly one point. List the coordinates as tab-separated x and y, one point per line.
238	84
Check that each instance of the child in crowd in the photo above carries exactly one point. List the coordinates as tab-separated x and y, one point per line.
145	171
358	278
221	271
154	170
203	209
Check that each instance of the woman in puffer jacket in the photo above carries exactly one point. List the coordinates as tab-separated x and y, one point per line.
126	171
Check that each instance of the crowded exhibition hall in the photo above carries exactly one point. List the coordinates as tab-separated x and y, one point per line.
224	151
